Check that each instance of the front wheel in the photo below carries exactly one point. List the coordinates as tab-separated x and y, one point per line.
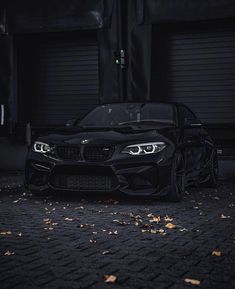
177	186
212	178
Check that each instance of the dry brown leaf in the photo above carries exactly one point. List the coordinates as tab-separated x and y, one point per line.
183	230
168	219
153	231
224	217
6	233
162	232
192	281
144	231
8	253
77	208
106	252
120	222
93	241
46	220
170	226
110	278
69	219
113	233
216	253
155	219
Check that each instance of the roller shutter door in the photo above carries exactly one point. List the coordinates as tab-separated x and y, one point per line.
58	77
195	64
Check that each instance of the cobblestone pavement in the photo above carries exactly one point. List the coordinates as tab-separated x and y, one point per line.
68	241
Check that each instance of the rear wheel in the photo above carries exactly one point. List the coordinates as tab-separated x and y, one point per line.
177	187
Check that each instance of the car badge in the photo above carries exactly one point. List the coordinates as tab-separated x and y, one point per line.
85	141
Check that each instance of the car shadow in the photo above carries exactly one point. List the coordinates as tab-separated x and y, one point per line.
115	198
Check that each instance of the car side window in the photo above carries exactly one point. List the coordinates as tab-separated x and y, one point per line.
184	113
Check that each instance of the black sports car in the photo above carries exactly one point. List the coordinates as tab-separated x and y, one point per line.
152	149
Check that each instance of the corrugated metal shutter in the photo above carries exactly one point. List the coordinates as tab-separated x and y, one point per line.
195	64
59	77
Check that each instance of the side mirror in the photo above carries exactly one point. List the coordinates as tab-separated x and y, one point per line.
71	122
189	122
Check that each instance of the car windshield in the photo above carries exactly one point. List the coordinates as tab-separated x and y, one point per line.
129	114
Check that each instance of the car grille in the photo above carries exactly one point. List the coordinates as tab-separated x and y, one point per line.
84	182
89	153
68	152
98	153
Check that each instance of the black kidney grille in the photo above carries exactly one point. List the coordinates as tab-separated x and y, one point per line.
68	153
98	153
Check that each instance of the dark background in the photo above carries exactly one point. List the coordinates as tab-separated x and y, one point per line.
59	59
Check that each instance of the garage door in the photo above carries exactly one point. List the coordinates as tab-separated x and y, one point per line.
195	64
58	77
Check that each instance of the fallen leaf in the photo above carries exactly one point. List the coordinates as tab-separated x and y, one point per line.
168	219
110	278
6	233
113	233
86	225
192	281
69	219
120	222
106	252
162	232
153	231
8	253
216	253
155	219
183	230
170	226
224	217
144	231
93	241
77	208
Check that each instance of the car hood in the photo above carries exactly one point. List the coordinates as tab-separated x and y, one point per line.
106	137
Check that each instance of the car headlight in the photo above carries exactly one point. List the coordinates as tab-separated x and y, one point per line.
41	147
144	148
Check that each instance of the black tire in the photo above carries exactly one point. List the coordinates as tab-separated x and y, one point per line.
212	178
177	186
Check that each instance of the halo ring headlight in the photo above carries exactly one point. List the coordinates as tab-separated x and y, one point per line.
41	147
144	148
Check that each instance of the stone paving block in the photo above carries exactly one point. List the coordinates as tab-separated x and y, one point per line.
65	241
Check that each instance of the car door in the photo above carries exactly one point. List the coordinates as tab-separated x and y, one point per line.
193	141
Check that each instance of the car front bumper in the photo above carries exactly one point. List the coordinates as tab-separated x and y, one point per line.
145	176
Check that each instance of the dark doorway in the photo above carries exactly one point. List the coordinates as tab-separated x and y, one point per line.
58	77
194	63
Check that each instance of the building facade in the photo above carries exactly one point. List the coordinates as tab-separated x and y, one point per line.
59	59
